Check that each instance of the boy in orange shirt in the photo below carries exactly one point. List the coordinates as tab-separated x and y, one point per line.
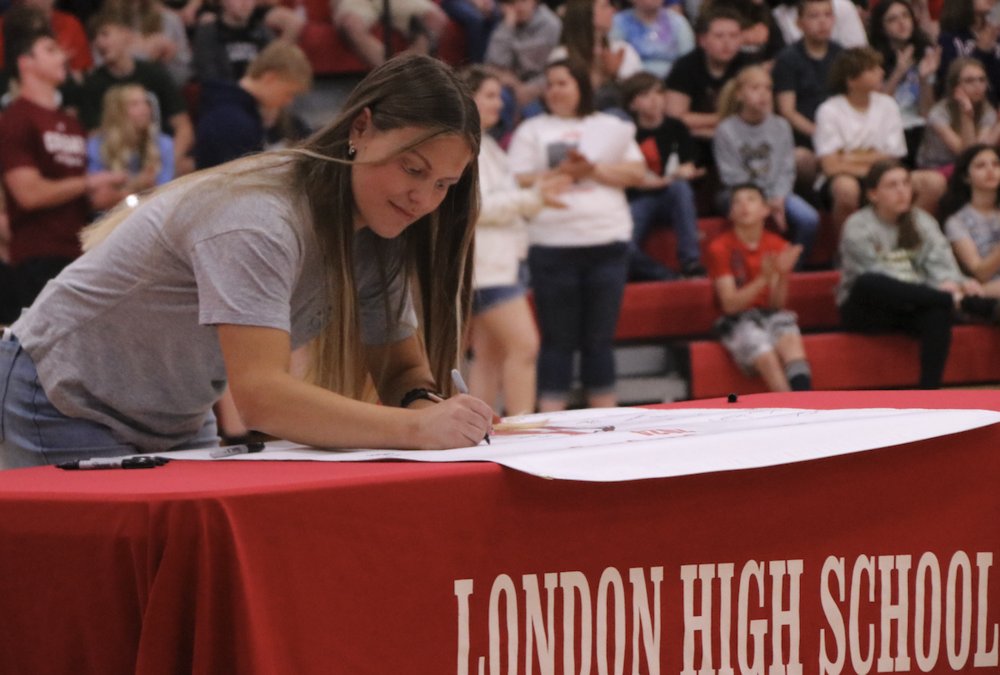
749	267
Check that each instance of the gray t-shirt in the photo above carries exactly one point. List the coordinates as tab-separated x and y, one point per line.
982	228
762	154
867	244
933	151
525	49
125	337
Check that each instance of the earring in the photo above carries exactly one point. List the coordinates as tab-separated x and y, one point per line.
351	150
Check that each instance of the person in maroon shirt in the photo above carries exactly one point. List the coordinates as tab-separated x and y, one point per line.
44	159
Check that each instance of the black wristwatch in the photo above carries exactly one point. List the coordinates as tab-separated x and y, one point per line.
419	392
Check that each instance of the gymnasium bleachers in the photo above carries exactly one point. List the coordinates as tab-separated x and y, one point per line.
330	55
680	314
850	361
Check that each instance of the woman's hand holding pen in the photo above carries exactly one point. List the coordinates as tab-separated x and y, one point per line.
458	422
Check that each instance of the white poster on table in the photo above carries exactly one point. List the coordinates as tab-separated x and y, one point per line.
616	444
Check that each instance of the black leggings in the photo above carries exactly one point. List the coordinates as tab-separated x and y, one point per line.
32	275
878	304
10	303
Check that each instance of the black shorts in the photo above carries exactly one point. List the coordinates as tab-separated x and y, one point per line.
826	195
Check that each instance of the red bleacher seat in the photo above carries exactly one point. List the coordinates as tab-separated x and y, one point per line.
686	308
664	309
661	242
811	296
852	361
824	249
329	54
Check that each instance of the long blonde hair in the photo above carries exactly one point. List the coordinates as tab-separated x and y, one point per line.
729	98
121	143
407	91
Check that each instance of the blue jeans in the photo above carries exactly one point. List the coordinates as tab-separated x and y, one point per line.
578	294
803	224
476	27
33	432
673	204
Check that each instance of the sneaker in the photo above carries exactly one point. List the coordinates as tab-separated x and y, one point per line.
643	268
693	269
986	309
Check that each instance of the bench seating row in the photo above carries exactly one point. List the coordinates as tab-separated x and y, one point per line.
330	54
851	361
683	312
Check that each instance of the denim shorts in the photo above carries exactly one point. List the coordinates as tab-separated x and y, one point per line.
33	432
749	335
485	299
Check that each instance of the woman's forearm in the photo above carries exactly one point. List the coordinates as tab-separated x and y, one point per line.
285	407
620	174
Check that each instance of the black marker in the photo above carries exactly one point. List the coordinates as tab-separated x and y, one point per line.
139	462
254	446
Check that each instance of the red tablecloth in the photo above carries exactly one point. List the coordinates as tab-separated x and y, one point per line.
301	568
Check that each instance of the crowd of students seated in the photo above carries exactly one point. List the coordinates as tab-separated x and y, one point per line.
875	121
89	116
787	120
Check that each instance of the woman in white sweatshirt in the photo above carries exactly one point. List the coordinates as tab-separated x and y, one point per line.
579	254
504	337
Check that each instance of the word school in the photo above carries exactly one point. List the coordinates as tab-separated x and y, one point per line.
879	613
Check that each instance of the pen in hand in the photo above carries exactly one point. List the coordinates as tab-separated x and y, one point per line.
462	388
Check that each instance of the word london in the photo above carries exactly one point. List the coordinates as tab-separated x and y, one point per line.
884	613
